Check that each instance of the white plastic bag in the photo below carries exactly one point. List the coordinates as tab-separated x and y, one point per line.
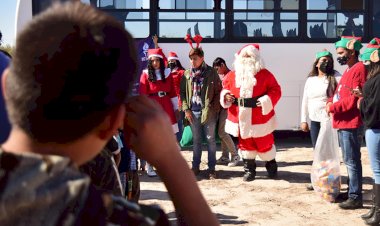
325	171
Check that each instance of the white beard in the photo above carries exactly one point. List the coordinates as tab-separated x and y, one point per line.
245	70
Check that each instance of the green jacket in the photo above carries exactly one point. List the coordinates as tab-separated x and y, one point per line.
210	92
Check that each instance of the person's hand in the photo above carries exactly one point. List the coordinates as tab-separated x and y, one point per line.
357	92
305	127
229	98
358	103
189	116
155	41
148	130
328	107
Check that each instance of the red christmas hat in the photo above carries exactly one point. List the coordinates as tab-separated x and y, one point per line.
254	45
173	56
155	53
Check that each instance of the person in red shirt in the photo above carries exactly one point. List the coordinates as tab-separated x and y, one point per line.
227	144
177	71
346	116
157	83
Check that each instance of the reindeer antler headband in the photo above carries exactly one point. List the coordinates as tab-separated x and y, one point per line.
197	39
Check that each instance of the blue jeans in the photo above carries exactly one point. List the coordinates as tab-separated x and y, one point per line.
372	138
314	131
350	142
209	131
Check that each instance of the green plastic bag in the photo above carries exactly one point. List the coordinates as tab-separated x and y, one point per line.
187	137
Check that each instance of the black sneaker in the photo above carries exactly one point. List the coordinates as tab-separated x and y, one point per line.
196	171
351	204
309	187
222	161
212	174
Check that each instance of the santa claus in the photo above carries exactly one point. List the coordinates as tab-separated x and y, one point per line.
250	94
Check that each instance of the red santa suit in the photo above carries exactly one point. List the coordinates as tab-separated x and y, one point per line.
177	76
253	125
160	91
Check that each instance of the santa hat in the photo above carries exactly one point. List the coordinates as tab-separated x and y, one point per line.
372	52
173	56
248	47
155	53
349	42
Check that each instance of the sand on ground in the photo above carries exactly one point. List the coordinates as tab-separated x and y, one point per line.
264	201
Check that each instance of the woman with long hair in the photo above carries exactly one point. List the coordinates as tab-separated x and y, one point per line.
368	105
320	85
156	82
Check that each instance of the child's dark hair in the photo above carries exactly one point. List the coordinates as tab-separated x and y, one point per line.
71	66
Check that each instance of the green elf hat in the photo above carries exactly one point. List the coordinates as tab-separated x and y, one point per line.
349	42
372	51
323	53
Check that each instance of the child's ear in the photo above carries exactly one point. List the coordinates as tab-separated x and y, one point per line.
111	122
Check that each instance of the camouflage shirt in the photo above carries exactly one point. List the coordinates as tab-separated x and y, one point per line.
49	190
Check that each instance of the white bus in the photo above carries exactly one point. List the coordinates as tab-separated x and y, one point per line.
289	32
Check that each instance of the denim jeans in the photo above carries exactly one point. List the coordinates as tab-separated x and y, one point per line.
350	142
372	138
314	131
209	131
227	144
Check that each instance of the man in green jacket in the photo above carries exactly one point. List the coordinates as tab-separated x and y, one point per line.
200	90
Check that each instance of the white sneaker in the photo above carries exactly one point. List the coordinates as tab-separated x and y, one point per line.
150	171
234	161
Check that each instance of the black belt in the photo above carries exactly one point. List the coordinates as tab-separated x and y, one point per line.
246	102
159	94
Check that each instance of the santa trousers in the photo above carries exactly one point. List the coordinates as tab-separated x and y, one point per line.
262	146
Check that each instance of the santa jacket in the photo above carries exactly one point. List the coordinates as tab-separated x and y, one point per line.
252	122
345	112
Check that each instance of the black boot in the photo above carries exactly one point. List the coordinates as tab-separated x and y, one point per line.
372	210
249	169
375	219
271	167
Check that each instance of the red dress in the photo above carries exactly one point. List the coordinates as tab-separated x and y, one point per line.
162	92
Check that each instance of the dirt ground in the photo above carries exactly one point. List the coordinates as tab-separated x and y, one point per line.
281	201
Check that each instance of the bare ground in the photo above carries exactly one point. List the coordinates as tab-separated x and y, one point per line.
264	201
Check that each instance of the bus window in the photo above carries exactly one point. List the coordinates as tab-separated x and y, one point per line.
335	4
123	4
376	19
332	25
266	4
189	4
209	25
137	23
265	24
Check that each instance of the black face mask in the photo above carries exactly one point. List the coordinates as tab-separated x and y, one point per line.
342	60
172	65
326	67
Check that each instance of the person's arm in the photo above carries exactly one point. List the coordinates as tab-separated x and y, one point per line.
304	108
185	105
155	41
144	120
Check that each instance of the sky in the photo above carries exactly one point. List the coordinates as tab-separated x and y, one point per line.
7	21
